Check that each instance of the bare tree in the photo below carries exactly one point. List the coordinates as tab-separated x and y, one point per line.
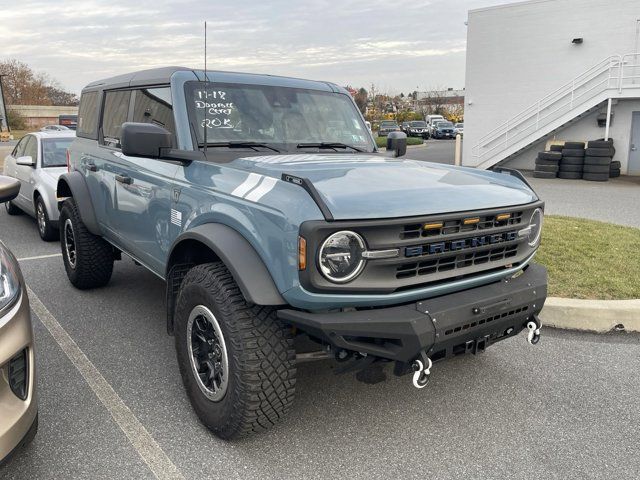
23	86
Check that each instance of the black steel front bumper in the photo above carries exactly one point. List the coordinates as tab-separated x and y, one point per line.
448	325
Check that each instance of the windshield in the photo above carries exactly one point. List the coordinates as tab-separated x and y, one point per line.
284	118
54	152
445	125
388	124
418	124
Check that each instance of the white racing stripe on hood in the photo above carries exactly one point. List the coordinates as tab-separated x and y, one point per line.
261	190
242	189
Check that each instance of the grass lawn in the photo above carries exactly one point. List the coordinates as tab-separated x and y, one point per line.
589	259
382	141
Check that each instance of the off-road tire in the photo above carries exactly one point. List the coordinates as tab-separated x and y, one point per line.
600	144
598	152
596	177
570	175
12	209
552	163
572	161
596	169
572	152
574	145
615	165
547	168
614	173
549	156
597	161
571	168
93	255
260	353
47	233
538	174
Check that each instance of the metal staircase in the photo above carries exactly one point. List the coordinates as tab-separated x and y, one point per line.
617	76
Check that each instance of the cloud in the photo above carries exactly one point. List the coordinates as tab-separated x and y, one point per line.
399	45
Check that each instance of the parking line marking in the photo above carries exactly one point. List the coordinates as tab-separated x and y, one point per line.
141	440
39	257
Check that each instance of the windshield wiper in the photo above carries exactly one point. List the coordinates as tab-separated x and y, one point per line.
334	145
240	144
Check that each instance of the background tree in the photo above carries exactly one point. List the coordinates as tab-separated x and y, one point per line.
361	98
23	86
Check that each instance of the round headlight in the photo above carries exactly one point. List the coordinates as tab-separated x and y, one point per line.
535	227
340	256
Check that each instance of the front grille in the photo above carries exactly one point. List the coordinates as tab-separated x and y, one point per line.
432	249
452	262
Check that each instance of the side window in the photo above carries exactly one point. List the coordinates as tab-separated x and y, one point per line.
154	105
88	115
19	150
116	110
31	148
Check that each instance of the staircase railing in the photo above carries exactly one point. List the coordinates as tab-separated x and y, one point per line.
614	73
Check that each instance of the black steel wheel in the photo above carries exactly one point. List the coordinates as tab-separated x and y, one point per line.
208	353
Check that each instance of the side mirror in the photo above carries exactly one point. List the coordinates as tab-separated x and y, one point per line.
397	142
27	161
144	139
9	188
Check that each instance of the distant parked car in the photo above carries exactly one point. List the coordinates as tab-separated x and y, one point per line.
444	130
18	399
404	126
386	127
54	128
418	128
37	161
368	124
459	128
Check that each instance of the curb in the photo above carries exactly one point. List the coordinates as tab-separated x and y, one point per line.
600	316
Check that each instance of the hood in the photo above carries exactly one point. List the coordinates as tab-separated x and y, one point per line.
51	174
361	186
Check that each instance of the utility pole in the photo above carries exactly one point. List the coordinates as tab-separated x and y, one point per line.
4	119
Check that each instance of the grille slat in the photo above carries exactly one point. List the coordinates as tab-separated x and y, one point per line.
451	227
452	262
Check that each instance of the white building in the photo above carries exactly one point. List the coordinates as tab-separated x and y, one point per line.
545	70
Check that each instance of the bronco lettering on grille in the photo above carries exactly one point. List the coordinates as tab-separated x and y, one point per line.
461	244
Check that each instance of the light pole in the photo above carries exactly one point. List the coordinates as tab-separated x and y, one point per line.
3	110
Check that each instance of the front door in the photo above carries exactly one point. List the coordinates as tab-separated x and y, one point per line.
634	148
24	173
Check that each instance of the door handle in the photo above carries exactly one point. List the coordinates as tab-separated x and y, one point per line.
124	179
92	167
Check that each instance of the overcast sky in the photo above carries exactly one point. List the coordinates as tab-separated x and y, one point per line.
397	44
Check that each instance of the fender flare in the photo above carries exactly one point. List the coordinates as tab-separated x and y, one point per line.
242	260
73	184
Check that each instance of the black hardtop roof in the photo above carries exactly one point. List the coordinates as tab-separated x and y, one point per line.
162	75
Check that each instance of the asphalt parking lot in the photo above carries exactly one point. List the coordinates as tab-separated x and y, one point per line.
566	408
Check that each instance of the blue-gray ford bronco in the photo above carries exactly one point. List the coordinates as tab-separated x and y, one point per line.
267	209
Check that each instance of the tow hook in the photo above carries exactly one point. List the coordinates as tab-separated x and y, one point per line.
533	336
422	370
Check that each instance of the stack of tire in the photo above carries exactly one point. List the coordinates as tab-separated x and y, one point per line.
597	161
547	164
572	162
